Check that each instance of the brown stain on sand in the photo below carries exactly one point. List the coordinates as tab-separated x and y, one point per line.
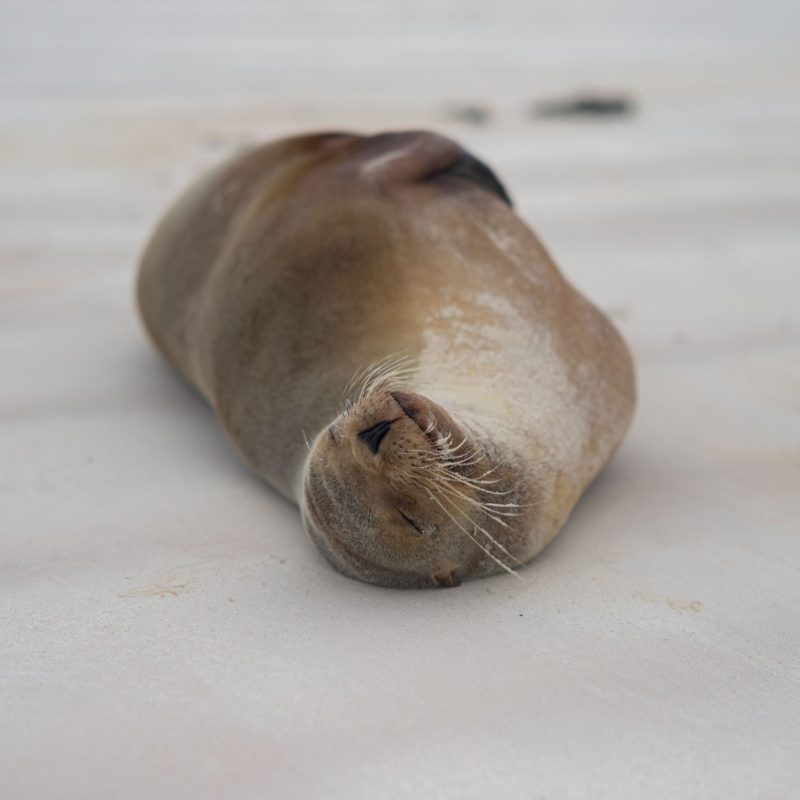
167	588
695	606
691	606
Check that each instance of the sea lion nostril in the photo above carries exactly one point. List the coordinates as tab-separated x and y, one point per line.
374	436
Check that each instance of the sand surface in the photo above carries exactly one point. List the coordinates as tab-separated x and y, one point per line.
166	628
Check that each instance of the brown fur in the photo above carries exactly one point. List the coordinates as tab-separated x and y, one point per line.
280	274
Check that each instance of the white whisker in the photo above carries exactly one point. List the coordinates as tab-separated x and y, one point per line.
486	533
475	503
491	555
382	375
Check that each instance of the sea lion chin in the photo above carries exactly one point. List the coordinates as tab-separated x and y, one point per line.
381	295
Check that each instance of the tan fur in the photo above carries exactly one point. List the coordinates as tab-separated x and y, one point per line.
284	272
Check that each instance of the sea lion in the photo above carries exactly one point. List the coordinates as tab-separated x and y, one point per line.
488	391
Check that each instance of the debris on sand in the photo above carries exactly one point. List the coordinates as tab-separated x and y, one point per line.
586	104
469	113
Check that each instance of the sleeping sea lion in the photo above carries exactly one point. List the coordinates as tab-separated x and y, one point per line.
488	392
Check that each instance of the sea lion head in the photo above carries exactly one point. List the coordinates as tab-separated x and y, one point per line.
399	493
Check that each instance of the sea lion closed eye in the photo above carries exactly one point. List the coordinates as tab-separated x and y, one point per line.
380	295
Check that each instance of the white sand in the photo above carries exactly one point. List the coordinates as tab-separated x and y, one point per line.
166	629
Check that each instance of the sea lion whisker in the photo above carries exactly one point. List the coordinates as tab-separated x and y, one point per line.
459	510
486	533
464	530
491	555
505	509
473	502
390	374
381	379
457	453
360	378
453	454
491	509
446	473
478	482
489	472
444	462
438	457
478	486
468	460
369	378
354	380
480	479
460	444
460	463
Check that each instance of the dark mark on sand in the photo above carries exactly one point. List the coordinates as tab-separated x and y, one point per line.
586	104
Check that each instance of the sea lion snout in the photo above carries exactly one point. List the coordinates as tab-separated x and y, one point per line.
379	497
403	494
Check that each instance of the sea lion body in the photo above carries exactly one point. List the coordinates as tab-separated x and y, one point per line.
285	271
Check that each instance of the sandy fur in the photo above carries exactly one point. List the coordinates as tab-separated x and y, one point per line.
288	271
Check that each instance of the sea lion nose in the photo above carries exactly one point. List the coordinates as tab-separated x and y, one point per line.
374	436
